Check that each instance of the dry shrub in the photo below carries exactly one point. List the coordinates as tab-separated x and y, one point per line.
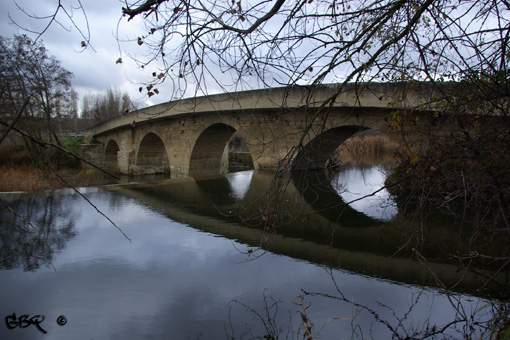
18	179
24	166
365	150
40	179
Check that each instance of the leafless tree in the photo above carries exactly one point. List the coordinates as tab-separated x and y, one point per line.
103	106
311	42
30	74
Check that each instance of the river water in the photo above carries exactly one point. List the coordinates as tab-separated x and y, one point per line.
199	263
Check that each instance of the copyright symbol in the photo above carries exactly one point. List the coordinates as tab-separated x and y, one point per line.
61	320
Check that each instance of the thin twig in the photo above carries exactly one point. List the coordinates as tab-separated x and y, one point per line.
18	216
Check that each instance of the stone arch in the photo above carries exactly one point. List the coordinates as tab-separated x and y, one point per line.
210	152
111	155
152	157
316	153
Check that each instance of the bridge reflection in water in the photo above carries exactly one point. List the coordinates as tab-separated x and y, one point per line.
188	272
313	222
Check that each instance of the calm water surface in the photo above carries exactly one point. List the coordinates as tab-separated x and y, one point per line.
191	272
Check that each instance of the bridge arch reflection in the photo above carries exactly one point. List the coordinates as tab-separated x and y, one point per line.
301	214
316	189
354	183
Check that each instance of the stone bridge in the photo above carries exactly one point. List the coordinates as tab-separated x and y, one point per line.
283	128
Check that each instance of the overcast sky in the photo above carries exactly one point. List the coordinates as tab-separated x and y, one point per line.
94	69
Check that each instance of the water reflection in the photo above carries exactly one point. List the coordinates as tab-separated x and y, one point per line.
240	183
326	196
317	190
308	228
355	182
182	278
34	231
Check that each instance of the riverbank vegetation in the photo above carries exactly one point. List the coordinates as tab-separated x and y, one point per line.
39	115
41	179
364	150
26	166
464	175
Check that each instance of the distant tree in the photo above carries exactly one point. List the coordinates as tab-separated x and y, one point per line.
104	106
34	85
86	107
70	109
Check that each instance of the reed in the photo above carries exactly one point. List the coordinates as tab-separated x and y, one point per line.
364	150
26	178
